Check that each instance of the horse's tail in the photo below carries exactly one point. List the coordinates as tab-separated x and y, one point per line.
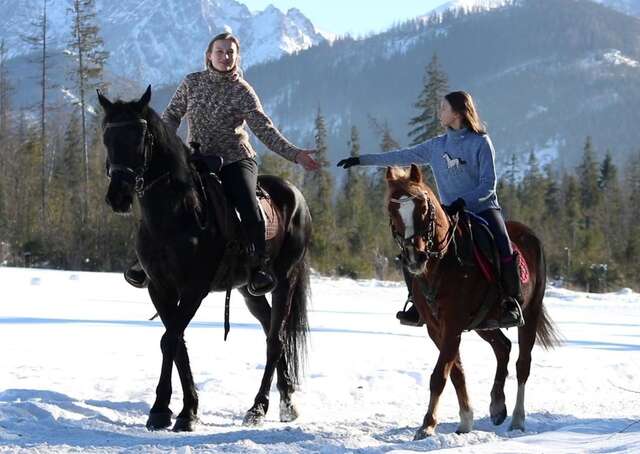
297	327
547	334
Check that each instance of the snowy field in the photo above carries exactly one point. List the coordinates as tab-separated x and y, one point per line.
80	362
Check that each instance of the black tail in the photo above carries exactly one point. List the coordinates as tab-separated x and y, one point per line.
297	328
546	332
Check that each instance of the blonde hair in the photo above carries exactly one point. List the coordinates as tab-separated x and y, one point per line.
221	37
462	103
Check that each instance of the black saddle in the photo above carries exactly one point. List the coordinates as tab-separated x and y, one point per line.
478	239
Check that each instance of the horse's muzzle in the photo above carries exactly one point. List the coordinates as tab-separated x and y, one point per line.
120	195
414	260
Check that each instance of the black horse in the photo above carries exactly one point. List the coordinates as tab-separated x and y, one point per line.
181	257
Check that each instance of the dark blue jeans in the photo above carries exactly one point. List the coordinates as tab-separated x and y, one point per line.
494	218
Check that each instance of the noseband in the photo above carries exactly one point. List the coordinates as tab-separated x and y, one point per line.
427	231
138	174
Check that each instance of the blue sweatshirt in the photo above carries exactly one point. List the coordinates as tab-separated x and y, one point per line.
462	163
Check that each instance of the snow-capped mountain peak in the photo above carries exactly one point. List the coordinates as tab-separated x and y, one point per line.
159	41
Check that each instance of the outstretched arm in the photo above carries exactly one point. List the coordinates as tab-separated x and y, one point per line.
262	126
419	154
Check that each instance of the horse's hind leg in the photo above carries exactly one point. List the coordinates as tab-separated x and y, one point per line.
281	298
501	346
526	339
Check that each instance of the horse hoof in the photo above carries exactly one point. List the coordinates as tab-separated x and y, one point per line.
499	417
185	424
517	423
255	416
159	421
423	432
288	412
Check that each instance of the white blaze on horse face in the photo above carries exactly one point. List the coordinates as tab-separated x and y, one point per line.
407	206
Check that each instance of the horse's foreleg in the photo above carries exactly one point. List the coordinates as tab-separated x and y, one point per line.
281	299
189	304
449	346
501	346
165	304
459	382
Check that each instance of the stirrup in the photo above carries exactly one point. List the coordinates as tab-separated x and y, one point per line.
411	316
138	279
513	317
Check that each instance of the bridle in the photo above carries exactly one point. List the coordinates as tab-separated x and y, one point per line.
427	232
137	174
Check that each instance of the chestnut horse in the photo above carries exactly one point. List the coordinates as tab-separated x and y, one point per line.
447	294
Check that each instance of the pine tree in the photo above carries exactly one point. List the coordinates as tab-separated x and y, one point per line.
318	187
5	108
65	206
39	41
427	124
90	58
507	189
588	172
610	208
354	218
5	89
532	192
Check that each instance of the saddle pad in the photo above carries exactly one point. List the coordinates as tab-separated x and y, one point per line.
488	270
271	219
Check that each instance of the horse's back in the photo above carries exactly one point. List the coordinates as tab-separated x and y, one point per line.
286	197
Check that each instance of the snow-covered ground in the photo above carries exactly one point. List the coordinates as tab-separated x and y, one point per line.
80	362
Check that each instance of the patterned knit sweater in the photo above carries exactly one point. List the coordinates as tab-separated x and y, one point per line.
217	105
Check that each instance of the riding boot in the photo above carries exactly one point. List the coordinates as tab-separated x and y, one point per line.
512	312
261	279
136	276
409	317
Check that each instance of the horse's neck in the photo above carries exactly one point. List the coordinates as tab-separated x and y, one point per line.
168	203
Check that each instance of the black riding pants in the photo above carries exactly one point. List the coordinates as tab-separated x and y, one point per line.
239	180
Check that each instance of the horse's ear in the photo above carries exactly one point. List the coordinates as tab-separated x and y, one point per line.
146	97
104	102
415	174
391	174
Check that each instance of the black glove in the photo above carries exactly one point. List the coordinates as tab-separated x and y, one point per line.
348	162
455	207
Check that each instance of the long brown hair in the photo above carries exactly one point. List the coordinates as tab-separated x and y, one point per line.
222	37
462	103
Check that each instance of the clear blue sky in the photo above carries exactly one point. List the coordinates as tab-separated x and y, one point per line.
356	17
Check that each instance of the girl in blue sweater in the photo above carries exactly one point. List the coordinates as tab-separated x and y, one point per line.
462	161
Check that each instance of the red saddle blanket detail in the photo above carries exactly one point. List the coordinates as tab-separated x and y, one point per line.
487	269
